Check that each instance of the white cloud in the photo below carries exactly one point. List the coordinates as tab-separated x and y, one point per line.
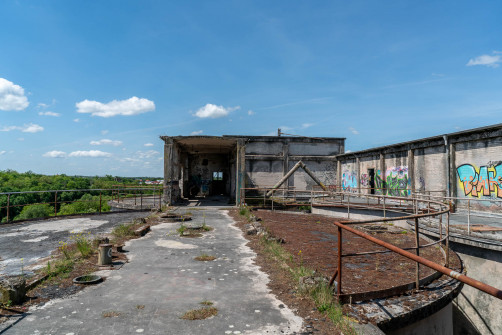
106	141
27	128
76	120
104	132
147	154
197	132
2	152
250	112
49	114
90	153
148	144
55	154
213	111
487	60
354	131
348	151
131	106
307	125
12	96
42	105
20	139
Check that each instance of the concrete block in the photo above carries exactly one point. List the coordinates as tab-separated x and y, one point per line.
12	290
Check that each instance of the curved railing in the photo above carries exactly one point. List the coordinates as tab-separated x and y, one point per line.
390	208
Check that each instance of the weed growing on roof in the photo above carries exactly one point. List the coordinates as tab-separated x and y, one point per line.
83	243
205	257
200	314
207	303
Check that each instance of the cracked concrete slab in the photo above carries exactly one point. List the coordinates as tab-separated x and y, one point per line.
167	281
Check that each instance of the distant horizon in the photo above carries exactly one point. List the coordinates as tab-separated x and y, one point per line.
88	88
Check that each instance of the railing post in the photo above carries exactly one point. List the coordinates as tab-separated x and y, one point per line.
160	199
469	217
339	288
348	207
134	197
264	195
141	194
56	203
8	207
99	202
448	239
417	243
384	213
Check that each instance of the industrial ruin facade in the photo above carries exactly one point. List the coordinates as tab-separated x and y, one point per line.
225	165
466	164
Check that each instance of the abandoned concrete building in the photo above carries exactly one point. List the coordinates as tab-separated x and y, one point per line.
463	164
215	165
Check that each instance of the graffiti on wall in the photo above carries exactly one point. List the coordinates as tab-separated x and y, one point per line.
365	180
482	181
349	180
396	182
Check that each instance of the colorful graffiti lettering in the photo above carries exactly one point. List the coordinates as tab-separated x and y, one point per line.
482	181
349	180
396	181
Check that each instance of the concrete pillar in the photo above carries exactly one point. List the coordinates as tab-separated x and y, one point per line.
358	166
285	166
411	169
453	172
168	171
338	174
240	170
382	173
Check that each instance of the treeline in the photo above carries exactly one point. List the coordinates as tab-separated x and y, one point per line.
34	205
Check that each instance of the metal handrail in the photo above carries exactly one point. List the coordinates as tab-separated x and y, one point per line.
493	291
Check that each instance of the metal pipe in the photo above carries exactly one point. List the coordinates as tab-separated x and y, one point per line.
417	243
469	217
449	272
339	267
8	207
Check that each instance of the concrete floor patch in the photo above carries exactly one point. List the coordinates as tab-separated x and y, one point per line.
174	244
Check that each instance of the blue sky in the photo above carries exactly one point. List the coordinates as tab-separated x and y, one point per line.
86	88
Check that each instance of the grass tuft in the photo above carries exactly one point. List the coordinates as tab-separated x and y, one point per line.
207	303
200	314
205	257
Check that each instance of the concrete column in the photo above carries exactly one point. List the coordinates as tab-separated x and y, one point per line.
285	166
358	164
382	173
453	172
168	171
241	170
411	169
338	175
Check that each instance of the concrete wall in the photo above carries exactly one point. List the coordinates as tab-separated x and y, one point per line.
475	308
268	159
467	165
439	323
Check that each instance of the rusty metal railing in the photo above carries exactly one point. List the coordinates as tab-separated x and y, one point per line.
118	194
493	291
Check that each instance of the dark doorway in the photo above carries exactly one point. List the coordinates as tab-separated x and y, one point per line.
218	183
371	174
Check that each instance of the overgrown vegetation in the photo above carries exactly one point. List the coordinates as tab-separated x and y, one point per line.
39	205
320	292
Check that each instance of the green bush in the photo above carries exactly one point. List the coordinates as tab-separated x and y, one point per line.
35	211
86	204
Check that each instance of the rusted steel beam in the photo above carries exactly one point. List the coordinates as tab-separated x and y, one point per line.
493	291
298	165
